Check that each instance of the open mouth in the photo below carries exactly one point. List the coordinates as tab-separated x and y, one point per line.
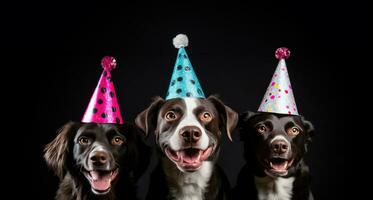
101	180
279	166
190	159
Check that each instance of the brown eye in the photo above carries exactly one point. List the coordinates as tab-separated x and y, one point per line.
84	141
117	140
293	131
205	117
261	129
170	116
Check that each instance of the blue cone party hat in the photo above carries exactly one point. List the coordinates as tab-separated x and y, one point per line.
184	82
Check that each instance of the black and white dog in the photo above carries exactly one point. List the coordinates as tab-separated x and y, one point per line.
188	132
274	146
97	161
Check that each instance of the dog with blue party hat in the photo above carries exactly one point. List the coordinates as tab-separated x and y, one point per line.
188	128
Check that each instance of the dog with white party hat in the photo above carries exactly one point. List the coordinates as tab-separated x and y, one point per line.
275	138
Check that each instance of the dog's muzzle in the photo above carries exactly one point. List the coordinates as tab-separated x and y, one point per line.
279	160
190	134
101	173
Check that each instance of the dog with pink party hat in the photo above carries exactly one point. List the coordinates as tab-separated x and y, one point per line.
275	138
102	156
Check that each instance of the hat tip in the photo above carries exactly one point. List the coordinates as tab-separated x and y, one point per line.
181	40
108	63
282	53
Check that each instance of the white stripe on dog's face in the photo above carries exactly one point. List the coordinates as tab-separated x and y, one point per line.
280	137
189	119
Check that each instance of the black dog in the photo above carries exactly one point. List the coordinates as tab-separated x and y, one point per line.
188	133
97	161
274	148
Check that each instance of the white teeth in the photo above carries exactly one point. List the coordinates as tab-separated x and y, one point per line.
286	164
270	163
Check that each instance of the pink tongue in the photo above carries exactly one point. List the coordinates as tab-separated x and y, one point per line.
279	167
100	182
190	158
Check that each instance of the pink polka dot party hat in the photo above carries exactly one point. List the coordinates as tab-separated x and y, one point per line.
279	97
103	106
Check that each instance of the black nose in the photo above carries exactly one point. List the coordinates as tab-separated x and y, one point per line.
279	146
191	134
99	158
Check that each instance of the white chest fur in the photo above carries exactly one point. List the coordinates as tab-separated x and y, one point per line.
274	188
190	185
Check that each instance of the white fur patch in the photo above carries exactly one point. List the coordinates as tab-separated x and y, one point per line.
274	188
189	185
279	137
189	119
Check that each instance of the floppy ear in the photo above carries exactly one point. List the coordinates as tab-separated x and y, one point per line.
147	119
227	115
56	152
309	129
244	117
138	152
243	125
308	126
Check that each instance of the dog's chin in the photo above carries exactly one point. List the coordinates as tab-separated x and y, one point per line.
190	159
277	167
101	181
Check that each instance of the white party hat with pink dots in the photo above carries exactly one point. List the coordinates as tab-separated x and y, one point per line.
279	97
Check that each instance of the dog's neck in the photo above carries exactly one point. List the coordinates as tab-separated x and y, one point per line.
271	188
187	185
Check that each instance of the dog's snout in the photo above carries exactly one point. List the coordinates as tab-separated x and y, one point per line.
99	158
191	134
279	146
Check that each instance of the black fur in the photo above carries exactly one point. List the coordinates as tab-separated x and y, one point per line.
69	159
256	149
151	121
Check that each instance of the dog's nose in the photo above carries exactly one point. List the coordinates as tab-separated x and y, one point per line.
191	134
279	146
99	158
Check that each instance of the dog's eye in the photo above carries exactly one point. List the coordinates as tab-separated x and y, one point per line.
293	131
170	116
84	141
117	140
205	117
261	129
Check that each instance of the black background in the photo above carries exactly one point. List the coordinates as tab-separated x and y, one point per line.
57	48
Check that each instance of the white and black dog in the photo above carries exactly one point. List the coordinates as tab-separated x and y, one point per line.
275	145
188	132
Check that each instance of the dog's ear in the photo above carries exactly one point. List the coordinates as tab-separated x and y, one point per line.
147	119
227	115
308	126
244	117
310	130
56	152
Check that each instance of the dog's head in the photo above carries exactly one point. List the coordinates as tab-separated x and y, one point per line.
278	142
188	130
94	154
